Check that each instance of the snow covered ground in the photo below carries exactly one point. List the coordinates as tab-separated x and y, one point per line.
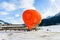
53	28
52	34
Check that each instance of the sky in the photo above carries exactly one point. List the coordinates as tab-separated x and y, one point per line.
11	10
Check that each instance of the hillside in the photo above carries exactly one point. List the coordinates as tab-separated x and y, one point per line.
51	21
2	22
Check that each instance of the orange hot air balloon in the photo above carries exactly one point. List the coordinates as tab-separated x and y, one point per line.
31	18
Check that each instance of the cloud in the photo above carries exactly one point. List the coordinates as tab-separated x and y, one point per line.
4	13
29	4
14	5
14	21
7	6
17	15
53	9
52	0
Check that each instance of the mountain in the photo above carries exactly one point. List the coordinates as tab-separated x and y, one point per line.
51	21
2	22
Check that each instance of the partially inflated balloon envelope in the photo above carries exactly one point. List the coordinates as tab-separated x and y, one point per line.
31	18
